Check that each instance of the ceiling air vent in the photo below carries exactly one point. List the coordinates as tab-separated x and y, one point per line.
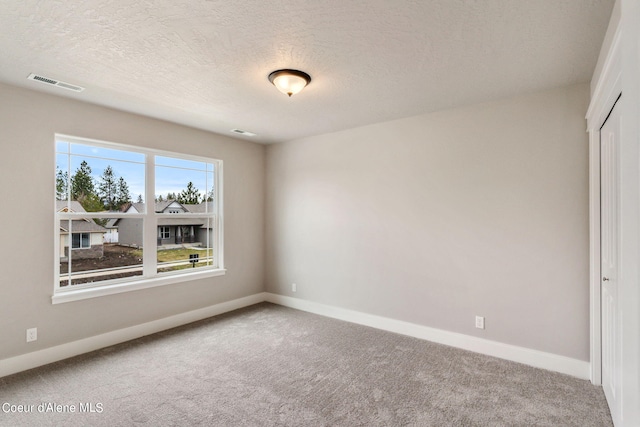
243	132
57	83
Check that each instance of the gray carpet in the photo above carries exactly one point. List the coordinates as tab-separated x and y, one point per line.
268	365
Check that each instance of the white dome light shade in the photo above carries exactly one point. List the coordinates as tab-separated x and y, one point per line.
289	82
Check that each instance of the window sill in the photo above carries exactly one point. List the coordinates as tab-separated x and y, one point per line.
117	288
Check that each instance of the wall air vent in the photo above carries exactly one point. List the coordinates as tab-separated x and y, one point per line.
243	132
53	82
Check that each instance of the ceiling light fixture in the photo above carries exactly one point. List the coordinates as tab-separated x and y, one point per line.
289	82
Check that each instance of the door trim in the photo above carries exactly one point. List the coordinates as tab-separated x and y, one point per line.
607	90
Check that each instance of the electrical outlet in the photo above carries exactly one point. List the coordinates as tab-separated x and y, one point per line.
32	334
294	287
479	322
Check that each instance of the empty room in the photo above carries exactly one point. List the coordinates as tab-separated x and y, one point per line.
339	213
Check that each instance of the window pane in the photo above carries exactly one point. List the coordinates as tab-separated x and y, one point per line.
180	163
75	238
62	146
62	177
191	186
98	179
189	246
82	150
92	259
80	240
165	233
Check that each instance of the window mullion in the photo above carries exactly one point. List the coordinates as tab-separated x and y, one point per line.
150	222
219	213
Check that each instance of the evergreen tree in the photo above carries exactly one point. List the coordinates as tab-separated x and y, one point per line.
210	196
171	196
122	194
107	189
190	196
62	184
83	189
91	203
81	183
139	199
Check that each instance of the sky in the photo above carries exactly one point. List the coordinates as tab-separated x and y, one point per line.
172	174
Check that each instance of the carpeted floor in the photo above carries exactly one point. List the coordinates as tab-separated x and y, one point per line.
268	365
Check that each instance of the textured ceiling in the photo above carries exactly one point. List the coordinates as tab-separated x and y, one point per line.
205	63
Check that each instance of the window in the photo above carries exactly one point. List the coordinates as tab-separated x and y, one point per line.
164	208
80	241
164	232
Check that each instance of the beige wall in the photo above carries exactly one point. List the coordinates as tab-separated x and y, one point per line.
431	219
437	218
28	121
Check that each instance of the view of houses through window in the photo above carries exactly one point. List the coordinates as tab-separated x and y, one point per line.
108	225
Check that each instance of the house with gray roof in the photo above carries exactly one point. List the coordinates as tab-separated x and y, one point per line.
85	236
171	231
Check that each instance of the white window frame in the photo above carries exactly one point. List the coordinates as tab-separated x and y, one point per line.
150	276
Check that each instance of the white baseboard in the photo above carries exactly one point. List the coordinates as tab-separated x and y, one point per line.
538	359
23	362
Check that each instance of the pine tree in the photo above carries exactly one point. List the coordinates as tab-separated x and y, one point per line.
190	196
140	200
91	203
83	189
107	189
210	196
62	184
122	194
81	183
